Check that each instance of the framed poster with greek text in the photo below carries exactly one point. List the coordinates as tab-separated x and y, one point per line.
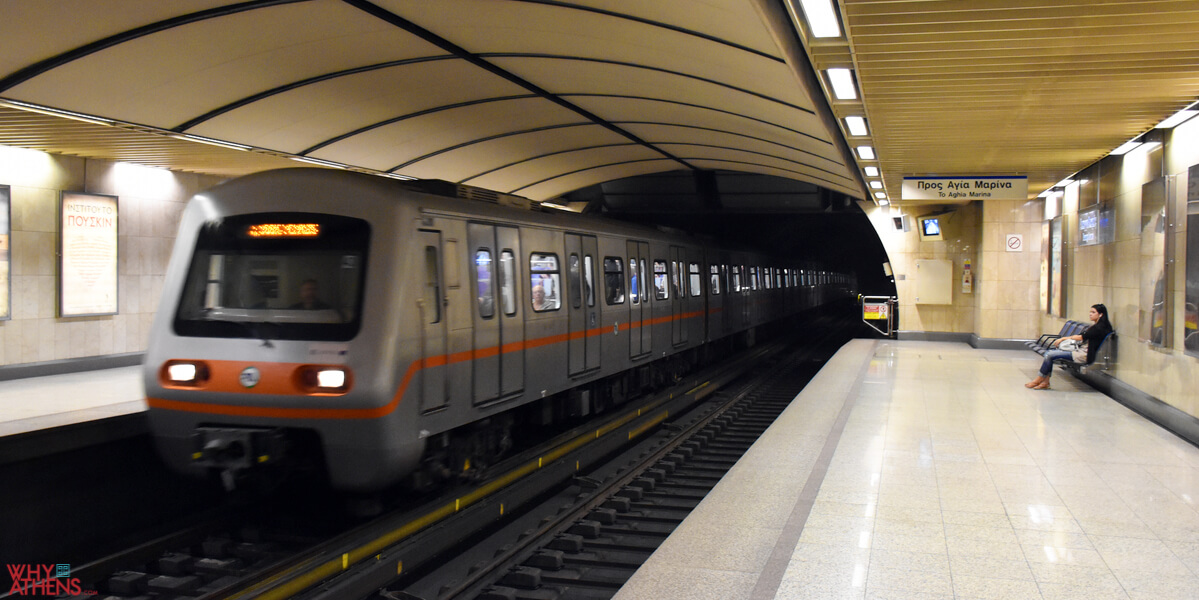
5	253
87	250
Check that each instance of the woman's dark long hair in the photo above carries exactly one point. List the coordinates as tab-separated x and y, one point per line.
1102	322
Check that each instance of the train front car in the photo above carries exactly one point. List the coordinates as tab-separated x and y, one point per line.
276	335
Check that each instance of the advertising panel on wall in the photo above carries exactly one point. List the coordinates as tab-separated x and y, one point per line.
5	254
1057	267
1190	330
88	255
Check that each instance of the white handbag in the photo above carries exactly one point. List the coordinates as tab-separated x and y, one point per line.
1068	345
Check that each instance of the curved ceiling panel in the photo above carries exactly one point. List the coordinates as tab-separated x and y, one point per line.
737	159
568	182
537	97
723	19
469	163
167	78
569	78
499	28
27	25
398	145
630	110
532	171
311	115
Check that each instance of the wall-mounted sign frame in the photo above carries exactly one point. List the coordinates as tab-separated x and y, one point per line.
5	253
965	188
87	251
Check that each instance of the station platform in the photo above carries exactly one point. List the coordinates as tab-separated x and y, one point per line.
926	470
40	403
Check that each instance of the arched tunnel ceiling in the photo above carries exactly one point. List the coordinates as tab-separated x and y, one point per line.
530	97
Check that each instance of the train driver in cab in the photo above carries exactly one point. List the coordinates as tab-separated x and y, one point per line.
310	297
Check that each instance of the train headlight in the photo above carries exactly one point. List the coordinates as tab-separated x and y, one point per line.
330	378
184	373
325	379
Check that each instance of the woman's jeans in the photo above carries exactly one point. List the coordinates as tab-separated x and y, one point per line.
1052	355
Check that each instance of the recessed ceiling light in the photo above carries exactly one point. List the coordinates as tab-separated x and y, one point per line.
880	195
876	184
821	18
871	171
882	201
1179	117
1125	148
866	152
856	125
842	81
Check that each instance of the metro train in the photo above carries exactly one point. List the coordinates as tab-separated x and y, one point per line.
399	331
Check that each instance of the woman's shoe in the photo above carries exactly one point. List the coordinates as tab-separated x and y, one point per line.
1034	383
1044	385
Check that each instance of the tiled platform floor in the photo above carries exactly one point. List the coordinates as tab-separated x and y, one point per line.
56	400
946	479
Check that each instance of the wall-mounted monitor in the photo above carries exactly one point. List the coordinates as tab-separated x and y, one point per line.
930	228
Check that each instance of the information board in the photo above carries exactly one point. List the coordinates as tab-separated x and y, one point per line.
88	251
965	188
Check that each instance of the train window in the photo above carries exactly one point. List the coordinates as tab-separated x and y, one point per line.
645	294
507	273
696	284
486	299
544	288
432	287
675	277
614	280
661	292
573	280
634	295
589	278
767	282
275	287
736	278
715	270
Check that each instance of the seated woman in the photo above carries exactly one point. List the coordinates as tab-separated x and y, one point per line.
1091	338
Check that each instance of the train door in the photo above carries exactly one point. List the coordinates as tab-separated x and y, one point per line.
678	333
640	342
583	352
512	320
431	305
496	312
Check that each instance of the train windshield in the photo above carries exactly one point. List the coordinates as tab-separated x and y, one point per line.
290	276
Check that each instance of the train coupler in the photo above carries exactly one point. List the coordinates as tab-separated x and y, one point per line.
233	451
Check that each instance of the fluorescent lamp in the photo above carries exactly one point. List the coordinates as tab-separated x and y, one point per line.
856	125
57	112
210	141
1065	182
880	195
882	202
821	18
876	184
1125	148
317	161
842	81
871	171
1179	117
1045	194
866	152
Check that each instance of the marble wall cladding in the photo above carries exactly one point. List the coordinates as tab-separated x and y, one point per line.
963	229
151	202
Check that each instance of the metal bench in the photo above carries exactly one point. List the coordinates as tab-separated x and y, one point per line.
1044	343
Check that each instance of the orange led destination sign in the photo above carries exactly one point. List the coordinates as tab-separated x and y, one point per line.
284	230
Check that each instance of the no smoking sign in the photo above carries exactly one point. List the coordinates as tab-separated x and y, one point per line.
1015	242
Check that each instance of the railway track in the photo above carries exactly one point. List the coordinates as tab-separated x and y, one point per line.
604	516
590	539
